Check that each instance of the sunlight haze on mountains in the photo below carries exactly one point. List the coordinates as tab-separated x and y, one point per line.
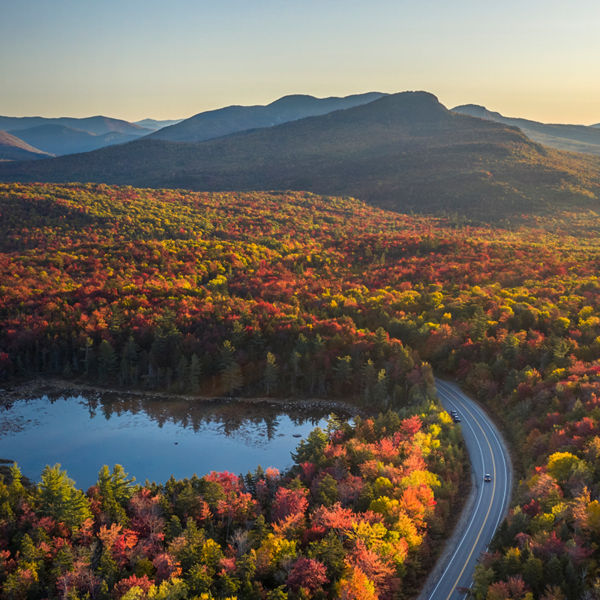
279	323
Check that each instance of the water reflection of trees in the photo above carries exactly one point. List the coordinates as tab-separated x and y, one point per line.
239	418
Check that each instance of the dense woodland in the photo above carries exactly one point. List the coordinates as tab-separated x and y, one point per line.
298	295
354	518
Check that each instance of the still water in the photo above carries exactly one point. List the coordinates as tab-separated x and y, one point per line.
151	438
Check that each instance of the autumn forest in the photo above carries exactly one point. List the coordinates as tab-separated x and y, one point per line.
294	295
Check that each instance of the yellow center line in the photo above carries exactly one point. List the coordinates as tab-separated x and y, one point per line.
465	407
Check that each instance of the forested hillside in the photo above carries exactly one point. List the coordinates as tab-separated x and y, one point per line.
357	516
205	293
403	152
295	294
574	138
233	119
14	148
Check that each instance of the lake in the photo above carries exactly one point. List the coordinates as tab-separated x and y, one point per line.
151	437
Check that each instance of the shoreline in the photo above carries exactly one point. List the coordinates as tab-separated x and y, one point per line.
35	388
54	388
63	387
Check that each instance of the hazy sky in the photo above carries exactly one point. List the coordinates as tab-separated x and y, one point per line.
167	59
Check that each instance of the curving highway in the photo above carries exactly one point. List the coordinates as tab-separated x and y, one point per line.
488	503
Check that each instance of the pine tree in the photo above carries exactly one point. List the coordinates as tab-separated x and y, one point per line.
369	376
89	357
231	378
116	490
343	372
182	373
380	390
16	489
129	362
107	362
271	374
295	361
60	499
231	373
160	358
195	374
227	354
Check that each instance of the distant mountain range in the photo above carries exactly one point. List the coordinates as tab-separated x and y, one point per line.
60	139
65	135
154	125
14	148
68	135
403	151
575	138
97	125
233	119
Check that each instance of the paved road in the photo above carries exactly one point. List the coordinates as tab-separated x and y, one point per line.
475	530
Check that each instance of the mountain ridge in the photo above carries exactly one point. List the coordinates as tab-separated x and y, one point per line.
15	148
156	124
573	138
68	135
60	139
236	118
402	151
97	125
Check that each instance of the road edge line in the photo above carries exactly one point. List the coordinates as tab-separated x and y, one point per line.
452	541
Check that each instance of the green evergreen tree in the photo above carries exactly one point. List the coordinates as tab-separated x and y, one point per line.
327	492
60	499
227	354
312	449
129	362
231	373
107	362
533	574
331	552
195	374
271	377
369	377
182	374
16	490
478	324
173	528
116	490
231	378
108	569
380	389
89	357
295	362
343	373
28	551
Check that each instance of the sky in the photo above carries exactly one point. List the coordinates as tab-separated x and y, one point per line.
133	59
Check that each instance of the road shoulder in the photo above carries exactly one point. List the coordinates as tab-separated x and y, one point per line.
451	542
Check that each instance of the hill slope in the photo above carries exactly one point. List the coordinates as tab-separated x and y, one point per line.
60	139
14	148
155	124
405	152
233	119
574	138
98	125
